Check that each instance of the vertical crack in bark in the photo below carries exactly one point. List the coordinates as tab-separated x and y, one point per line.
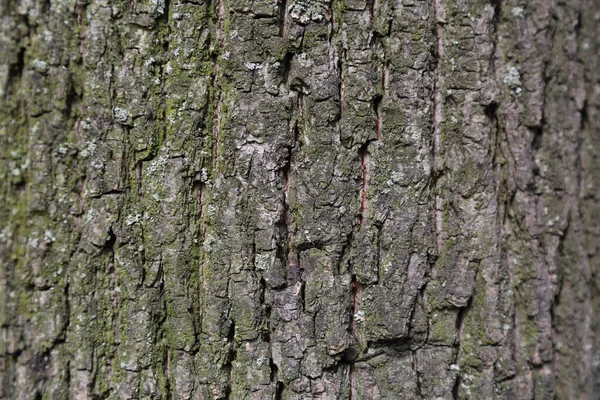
265	331
161	318
373	13
279	387
385	76
202	257
415	368
355	302
437	119
218	93
352	378
282	17
109	247
379	227
287	66
67	323
287	185
460	322
491	112
230	360
353	330
163	79
216	129
455	388
287	217
167	371
15	75
166	12
139	178
363	154
378	119
497	4
340	67
81	8
220	16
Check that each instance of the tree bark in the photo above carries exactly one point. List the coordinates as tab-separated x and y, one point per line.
303	199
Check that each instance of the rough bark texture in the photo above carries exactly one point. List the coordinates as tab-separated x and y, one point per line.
355	199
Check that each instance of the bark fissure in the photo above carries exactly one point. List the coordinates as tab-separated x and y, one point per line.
363	154
437	120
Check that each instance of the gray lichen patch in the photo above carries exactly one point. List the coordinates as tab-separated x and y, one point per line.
304	11
121	115
512	79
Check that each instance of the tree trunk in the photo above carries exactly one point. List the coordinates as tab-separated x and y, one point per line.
355	199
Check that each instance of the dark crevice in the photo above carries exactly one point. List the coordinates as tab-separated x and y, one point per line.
399	343
273	370
230	359
353	327
363	153
352	381
139	179
287	66
15	73
436	165
536	140
279	388
67	324
349	355
166	11
491	112
379	227
340	68
16	70
460	320
282	17
109	244
286	218
376	103
355	303
166	371
584	121
265	331
297	135
415	367
455	388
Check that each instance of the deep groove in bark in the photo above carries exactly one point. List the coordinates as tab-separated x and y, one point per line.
373	5
282	17
340	67
230	359
356	287
437	120
378	118
279	388
15	74
287	66
385	74
415	367
363	154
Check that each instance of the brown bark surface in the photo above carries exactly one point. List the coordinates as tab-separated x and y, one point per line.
303	199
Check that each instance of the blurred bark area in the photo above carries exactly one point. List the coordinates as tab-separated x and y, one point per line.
299	199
